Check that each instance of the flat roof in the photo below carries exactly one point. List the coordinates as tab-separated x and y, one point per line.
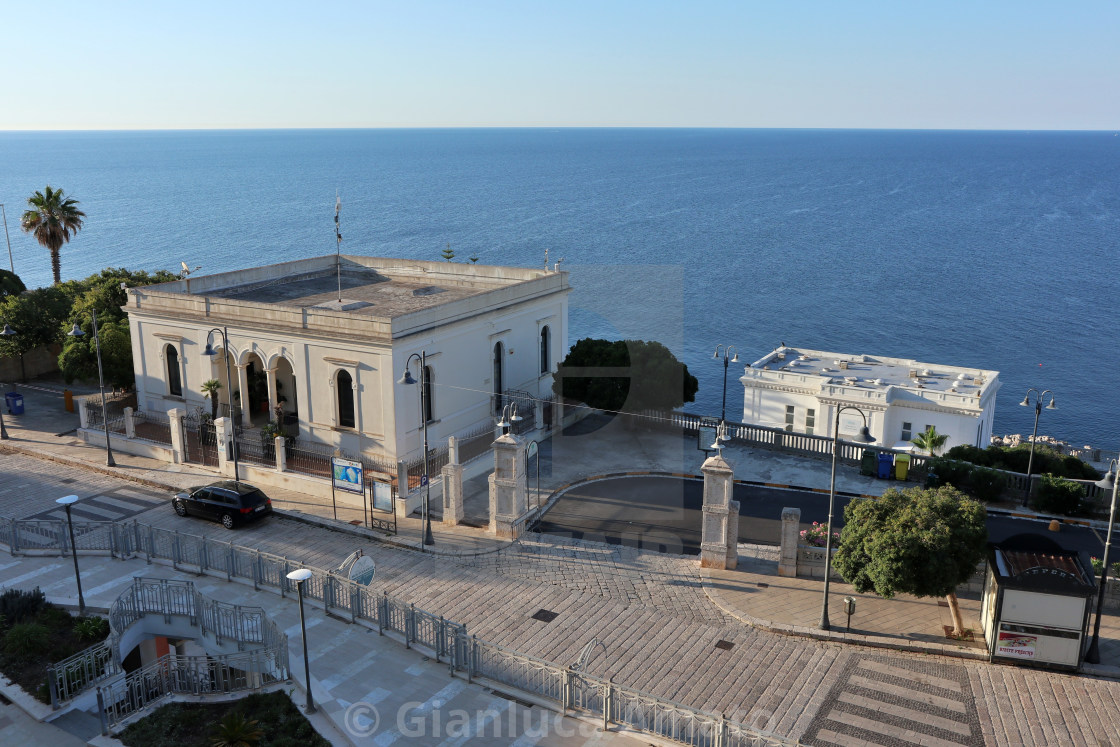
873	372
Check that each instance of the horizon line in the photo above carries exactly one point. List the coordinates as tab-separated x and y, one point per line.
546	127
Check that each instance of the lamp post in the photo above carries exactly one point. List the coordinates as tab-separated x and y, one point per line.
1038	398
300	575
66	502
509	417
211	352
535	447
11	264
77	332
422	356
726	352
863	437
8	334
1109	481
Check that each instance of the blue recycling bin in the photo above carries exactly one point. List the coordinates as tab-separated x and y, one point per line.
886	464
15	403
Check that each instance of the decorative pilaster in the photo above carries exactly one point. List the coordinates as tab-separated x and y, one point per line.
791	523
270	376
718	485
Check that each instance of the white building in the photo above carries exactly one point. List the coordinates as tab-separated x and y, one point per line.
331	367
799	390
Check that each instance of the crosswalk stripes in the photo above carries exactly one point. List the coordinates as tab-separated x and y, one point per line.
111	505
889	702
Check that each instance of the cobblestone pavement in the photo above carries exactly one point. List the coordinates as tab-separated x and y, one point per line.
653	631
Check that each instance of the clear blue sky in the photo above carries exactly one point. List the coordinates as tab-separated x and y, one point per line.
413	63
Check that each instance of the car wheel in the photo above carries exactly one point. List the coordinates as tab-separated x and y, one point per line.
180	507
227	521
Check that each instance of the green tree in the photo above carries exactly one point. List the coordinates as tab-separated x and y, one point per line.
920	542
448	253
210	389
624	375
36	316
930	441
10	284
52	218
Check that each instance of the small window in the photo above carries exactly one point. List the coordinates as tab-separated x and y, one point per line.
790	414
907	431
174	377
810	421
344	383
427	394
546	346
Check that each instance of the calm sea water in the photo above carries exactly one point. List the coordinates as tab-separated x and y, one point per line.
994	250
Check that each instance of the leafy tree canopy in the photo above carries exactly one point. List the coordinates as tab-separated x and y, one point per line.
10	284
633	375
36	316
915	541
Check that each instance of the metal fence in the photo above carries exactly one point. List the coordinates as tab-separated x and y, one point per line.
255	447
114	411
152	426
448	640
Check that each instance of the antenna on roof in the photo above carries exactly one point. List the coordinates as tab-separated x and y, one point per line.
338	243
546	260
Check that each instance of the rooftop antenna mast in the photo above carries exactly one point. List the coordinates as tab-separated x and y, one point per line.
338	244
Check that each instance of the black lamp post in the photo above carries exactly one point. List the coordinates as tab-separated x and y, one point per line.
1109	481
211	352
863	437
67	502
726	352
1038	398
407	379
8	334
77	332
300	576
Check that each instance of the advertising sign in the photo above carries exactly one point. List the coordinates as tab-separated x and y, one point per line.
1017	645
347	475
383	496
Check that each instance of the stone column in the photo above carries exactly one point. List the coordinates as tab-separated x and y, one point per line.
270	375
83	414
452	474
732	535
718	483
281	454
178	434
509	495
243	387
223	430
791	523
129	423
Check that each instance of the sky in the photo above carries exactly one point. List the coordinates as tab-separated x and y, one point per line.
568	63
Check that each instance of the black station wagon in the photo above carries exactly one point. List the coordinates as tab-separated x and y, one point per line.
229	502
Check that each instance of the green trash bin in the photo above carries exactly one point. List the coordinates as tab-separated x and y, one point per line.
901	466
867	463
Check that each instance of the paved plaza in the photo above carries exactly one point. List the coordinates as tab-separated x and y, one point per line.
735	642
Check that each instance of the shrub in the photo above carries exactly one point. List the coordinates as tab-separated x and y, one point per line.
987	484
1056	495
950	472
970	453
26	640
816	535
236	730
91	628
1098	566
17	605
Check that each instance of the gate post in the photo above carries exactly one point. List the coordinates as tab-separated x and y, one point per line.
178	435
129	423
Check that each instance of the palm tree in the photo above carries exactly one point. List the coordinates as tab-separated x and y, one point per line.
53	217
236	730
210	389
931	441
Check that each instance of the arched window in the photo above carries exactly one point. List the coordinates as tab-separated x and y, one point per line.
498	350
344	384
174	377
429	408
546	349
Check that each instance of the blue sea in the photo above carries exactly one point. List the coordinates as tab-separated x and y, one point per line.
996	250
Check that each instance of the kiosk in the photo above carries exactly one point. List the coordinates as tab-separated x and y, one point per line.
1037	599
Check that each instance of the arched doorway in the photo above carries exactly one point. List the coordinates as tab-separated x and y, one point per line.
499	349
286	398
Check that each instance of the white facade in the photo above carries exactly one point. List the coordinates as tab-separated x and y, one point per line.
312	356
800	390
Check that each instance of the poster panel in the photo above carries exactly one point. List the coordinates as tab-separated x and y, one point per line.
346	474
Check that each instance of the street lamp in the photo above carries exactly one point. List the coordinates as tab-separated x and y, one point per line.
1109	481
422	356
509	417
1039	397
863	437
11	264
77	332
300	575
66	502
8	334
211	352
726	352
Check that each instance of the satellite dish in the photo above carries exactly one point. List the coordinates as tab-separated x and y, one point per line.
363	570
187	270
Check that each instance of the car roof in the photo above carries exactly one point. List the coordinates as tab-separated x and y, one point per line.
241	488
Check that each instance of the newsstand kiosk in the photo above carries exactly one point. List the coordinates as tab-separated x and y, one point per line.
1037	600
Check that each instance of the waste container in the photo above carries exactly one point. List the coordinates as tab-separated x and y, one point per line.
15	403
867	463
901	466
886	463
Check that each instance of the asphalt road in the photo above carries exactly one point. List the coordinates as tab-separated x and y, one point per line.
664	514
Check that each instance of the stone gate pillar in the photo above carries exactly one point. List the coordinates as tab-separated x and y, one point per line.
509	494
178	435
223	433
716	527
791	523
452	485
732	535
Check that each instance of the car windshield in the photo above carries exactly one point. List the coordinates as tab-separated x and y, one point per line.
254	498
